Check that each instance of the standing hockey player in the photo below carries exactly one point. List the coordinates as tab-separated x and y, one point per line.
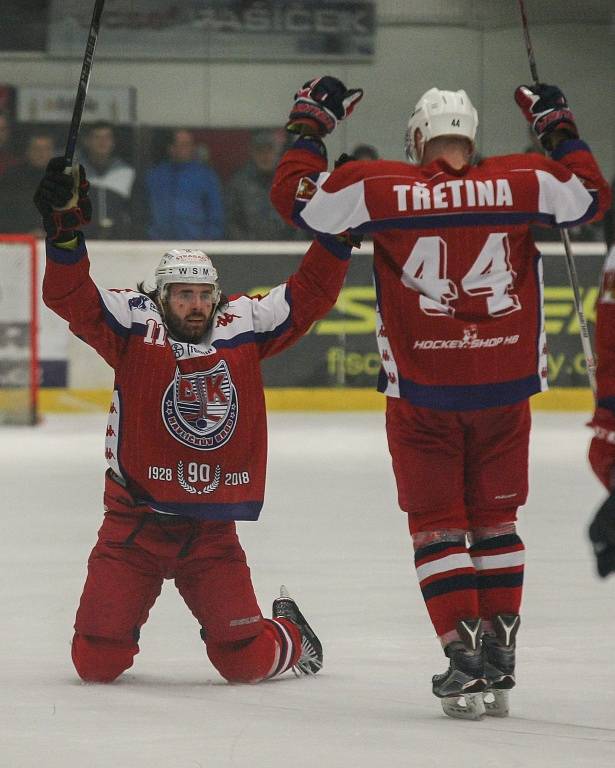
186	443
602	446
461	337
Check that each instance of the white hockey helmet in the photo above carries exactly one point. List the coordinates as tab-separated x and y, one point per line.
185	265
440	113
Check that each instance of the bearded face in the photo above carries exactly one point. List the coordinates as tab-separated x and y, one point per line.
188	309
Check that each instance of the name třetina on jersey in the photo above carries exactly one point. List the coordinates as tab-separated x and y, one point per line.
454	193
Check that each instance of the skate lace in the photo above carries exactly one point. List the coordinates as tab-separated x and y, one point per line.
308	659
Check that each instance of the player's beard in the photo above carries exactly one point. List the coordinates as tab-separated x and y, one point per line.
182	329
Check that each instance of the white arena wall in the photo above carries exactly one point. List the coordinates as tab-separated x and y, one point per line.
410	58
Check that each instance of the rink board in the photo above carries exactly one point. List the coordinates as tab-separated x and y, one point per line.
304	399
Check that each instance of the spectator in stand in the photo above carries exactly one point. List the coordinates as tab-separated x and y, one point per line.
7	156
184	195
250	215
16	184
111	184
365	152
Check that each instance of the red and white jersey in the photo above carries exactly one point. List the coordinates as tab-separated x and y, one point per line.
187	427
458	278
605	336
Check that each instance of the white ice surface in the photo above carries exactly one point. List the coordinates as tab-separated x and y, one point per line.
330	531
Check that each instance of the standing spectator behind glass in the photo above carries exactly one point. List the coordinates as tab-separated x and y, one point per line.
111	184
7	157
184	195
365	152
250	215
17	185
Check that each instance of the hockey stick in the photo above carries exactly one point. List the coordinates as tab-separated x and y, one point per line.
572	270
84	80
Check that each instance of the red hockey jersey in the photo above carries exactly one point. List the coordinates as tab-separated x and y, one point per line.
187	428
458	277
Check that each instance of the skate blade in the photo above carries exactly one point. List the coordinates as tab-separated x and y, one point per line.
468	707
496	703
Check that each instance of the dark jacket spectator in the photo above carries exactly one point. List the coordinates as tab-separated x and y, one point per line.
17	185
250	215
7	156
184	196
365	152
111	184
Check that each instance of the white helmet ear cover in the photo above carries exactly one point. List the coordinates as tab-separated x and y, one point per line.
440	113
185	265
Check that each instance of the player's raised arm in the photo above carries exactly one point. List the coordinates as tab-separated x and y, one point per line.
550	118
101	318
286	313
318	106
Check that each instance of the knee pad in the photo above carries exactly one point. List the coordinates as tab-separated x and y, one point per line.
422	539
486	523
101	660
450	518
256	658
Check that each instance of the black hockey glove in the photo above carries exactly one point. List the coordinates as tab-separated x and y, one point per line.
546	110
62	200
343	159
320	104
602	536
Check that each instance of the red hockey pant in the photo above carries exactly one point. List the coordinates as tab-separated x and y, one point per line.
459	469
213	578
460	472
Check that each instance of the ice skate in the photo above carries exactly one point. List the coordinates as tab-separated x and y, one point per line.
310	661
461	687
499	656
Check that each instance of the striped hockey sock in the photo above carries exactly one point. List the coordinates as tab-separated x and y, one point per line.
447	578
499	563
288	645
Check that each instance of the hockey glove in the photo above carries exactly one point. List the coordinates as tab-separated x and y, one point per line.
320	104
546	110
602	536
62	200
602	447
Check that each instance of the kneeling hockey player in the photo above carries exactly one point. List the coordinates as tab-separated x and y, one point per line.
186	443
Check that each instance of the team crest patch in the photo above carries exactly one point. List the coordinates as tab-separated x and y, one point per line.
200	409
306	189
140	302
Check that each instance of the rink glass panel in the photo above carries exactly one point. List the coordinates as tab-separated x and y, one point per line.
18	360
